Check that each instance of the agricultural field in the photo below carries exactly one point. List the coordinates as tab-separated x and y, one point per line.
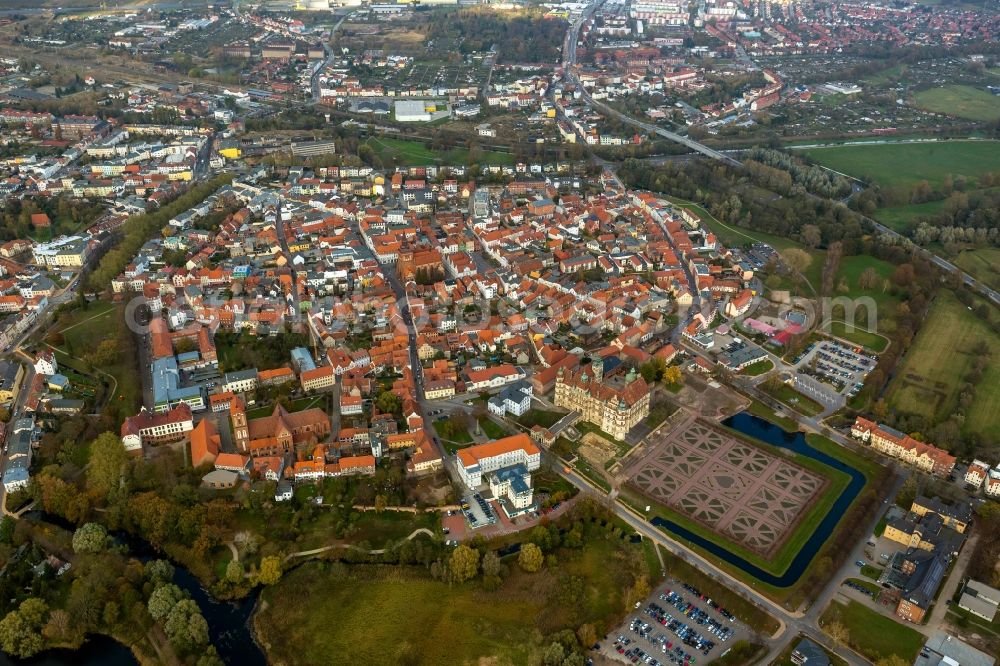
873	635
906	164
403	152
982	264
931	376
963	101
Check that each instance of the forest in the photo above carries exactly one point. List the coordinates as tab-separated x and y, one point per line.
734	198
518	37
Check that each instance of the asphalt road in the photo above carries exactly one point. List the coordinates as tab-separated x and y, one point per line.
569	65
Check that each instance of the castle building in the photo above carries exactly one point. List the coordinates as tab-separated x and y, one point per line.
615	405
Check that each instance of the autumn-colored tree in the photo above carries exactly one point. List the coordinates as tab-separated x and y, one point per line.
838	632
530	558
672	375
270	570
107	464
464	563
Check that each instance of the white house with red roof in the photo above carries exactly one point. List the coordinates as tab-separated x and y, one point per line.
146	428
977	474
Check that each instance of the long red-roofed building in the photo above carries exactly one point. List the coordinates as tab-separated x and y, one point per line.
899	445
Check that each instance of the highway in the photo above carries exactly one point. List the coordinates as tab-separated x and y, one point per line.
569	67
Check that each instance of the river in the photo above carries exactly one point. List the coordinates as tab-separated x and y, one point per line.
228	623
756	427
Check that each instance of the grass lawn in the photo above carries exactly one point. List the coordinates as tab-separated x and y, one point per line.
884	75
962	101
872	588
795	400
873	635
899	218
868	571
541	417
372	614
931	376
879	312
758	408
859	336
296	405
982	264
453	441
379	529
758	368
415	153
584	467
491	429
81	331
850	272
908	163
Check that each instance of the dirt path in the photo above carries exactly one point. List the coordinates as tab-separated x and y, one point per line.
377	551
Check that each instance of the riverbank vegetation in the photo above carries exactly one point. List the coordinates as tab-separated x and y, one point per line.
60	586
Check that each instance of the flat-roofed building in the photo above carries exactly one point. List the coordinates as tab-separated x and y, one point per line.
980	599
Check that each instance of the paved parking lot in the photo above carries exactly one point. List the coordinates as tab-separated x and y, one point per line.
834	367
675	625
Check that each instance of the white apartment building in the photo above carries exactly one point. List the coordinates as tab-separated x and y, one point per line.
475	461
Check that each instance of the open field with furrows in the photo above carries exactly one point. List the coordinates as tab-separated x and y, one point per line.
931	376
400	614
908	163
962	101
